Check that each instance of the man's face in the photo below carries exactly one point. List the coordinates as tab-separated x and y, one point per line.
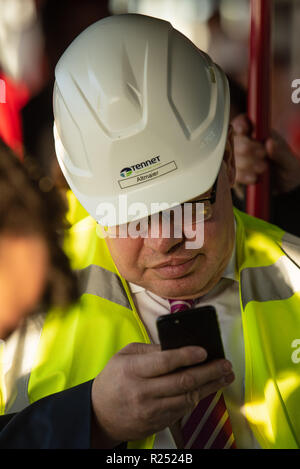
164	265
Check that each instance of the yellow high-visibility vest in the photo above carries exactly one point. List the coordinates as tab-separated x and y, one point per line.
76	344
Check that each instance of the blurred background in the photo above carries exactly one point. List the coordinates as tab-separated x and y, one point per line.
34	33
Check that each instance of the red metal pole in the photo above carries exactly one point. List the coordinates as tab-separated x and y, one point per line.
259	87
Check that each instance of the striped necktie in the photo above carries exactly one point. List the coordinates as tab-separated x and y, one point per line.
208	425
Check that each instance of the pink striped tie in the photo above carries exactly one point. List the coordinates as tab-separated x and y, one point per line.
208	425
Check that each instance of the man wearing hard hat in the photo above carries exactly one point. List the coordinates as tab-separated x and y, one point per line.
142	131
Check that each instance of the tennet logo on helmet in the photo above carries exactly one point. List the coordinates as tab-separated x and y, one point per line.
125	172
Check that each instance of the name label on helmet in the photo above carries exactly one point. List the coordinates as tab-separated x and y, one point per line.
144	175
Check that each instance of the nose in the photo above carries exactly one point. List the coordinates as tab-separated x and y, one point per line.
164	239
163	245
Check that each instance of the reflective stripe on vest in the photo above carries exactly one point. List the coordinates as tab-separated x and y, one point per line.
290	245
96	280
278	281
19	351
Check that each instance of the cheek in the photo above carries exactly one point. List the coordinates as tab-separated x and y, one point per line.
127	255
35	277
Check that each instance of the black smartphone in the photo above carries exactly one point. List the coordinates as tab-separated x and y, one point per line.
197	326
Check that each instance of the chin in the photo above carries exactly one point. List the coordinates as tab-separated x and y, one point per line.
180	288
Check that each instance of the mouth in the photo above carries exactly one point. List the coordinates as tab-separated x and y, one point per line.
175	268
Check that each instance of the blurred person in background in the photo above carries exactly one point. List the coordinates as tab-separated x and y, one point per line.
34	275
33	266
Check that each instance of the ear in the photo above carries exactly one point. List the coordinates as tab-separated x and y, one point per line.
229	157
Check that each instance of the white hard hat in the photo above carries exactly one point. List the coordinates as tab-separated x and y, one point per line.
139	111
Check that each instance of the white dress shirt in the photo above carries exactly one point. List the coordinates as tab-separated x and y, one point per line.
225	298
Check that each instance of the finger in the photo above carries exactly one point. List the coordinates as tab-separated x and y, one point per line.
244	163
255	169
136	348
245	147
161	363
190	379
250	175
241	125
260	167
